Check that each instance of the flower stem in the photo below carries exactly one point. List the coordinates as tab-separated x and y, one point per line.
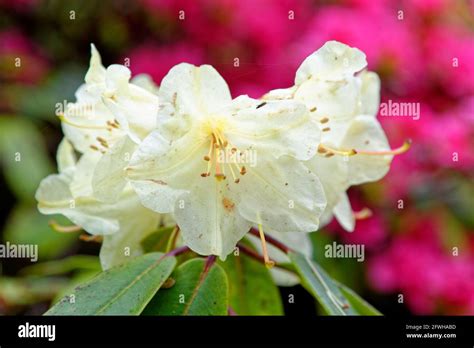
177	251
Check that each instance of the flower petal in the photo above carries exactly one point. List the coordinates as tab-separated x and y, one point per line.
160	170
273	127
191	93
365	133
282	195
134	107
344	214
208	217
96	71
370	93
109	178
55	197
65	156
124	244
334	61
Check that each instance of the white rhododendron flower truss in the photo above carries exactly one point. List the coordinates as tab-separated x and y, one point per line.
222	165
213	166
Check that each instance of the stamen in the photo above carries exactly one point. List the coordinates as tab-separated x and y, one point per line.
324	120
322	147
88	238
61	228
243	170
233	174
93	147
65	120
326	129
363	214
269	263
399	150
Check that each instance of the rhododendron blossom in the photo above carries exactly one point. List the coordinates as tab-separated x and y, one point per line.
217	165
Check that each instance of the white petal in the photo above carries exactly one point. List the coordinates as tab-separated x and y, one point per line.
282	195
335	100
65	156
208	218
273	127
124	244
86	120
344	214
146	82
370	93
280	94
96	71
333	174
334	61
192	92
81	184
109	177
365	133
54	197
160	170
134	107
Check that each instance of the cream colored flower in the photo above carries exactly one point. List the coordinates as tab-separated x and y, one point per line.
343	99
123	224
220	165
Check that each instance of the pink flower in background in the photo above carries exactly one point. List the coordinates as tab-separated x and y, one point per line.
451	52
417	266
20	60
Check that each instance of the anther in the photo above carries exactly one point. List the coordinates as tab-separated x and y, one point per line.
324	120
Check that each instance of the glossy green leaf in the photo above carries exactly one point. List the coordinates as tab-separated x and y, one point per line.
326	290
198	290
252	290
122	290
361	306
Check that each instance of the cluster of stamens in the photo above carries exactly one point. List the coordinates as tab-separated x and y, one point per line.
102	144
219	143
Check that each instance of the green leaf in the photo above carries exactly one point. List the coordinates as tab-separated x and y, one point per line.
158	240
122	290
252	290
325	290
23	156
361	306
68	264
198	290
26	225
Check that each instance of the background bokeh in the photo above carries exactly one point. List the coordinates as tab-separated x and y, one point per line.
419	240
